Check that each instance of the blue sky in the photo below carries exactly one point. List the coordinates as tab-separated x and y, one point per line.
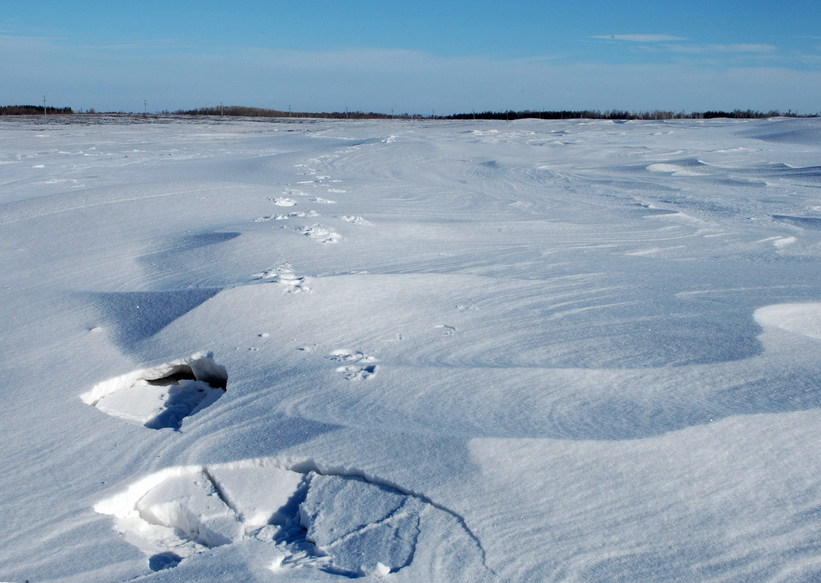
414	57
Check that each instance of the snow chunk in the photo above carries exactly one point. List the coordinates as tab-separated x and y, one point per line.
191	505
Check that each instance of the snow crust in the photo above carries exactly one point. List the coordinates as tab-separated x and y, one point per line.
474	351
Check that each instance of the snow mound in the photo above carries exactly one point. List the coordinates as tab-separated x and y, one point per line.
687	168
798	318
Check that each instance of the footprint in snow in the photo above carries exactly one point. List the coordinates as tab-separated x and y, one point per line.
357	367
163	396
283	201
284	276
338	523
321	234
355	220
283	217
449	330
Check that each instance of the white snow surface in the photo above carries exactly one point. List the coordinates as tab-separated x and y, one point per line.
529	351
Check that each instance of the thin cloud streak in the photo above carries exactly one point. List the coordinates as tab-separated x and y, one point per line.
732	48
153	45
640	38
664	43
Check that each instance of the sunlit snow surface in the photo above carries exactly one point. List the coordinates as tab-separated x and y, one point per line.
237	350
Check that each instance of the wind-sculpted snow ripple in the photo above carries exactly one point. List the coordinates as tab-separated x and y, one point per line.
552	371
577	404
606	530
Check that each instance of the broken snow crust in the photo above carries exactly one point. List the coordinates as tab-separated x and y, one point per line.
339	523
412	351
161	396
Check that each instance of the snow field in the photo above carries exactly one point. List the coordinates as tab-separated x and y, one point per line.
530	351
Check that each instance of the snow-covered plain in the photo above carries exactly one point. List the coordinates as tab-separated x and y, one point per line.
236	350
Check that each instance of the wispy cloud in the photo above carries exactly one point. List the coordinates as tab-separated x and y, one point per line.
662	43
25	40
640	38
814	59
143	45
732	48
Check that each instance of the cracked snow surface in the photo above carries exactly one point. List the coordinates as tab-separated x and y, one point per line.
336	524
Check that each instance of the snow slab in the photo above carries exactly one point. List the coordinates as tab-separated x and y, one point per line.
475	351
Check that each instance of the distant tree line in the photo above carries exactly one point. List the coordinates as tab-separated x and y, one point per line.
242	111
611	114
622	115
33	110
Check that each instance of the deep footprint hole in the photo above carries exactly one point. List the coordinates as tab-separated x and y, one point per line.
185	372
161	561
162	397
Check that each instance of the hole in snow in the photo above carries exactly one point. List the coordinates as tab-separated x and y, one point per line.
161	397
162	561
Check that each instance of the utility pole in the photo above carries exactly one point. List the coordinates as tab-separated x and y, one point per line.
45	111
145	107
